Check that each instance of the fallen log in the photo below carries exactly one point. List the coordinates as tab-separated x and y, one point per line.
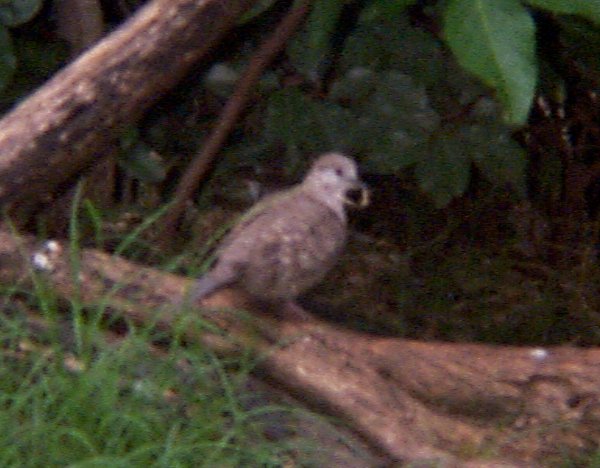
410	401
75	119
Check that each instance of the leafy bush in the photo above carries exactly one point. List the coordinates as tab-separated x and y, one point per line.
399	100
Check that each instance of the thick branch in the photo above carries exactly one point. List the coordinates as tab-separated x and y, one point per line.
68	123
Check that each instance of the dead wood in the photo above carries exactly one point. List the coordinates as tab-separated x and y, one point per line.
409	400
69	123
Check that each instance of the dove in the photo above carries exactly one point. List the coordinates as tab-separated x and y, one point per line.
288	241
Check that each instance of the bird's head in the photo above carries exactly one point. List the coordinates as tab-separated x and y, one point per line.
332	178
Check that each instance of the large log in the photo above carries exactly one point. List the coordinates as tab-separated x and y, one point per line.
68	124
410	401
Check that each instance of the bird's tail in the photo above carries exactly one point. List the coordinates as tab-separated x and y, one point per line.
205	286
215	279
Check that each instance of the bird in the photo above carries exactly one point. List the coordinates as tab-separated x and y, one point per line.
288	241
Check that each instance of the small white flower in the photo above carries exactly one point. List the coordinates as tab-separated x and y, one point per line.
539	354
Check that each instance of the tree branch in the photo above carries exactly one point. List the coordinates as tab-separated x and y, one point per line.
69	123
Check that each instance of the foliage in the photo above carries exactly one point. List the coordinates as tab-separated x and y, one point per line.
399	100
584	8
392	102
137	158
495	40
119	405
12	13
395	97
16	12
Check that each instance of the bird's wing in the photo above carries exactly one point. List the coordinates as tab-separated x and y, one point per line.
223	274
256	215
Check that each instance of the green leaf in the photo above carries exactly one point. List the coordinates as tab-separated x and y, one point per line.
354	86
310	126
582	41
495	40
589	9
37	60
17	12
393	116
446	172
8	61
396	44
337	127
498	156
287	117
395	121
402	102
385	9
142	163
394	153
309	49
221	79
258	8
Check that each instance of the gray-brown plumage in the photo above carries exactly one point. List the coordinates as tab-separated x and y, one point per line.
287	242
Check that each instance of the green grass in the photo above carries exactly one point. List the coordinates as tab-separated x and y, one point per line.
124	406
69	396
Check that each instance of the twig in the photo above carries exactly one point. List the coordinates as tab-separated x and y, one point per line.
230	114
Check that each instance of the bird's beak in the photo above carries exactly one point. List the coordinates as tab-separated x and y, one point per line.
362	200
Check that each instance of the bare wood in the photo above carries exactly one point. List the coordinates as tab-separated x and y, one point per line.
69	123
409	400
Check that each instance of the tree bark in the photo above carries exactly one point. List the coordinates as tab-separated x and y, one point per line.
410	401
68	124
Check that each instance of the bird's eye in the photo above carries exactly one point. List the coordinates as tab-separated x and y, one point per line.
339	172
